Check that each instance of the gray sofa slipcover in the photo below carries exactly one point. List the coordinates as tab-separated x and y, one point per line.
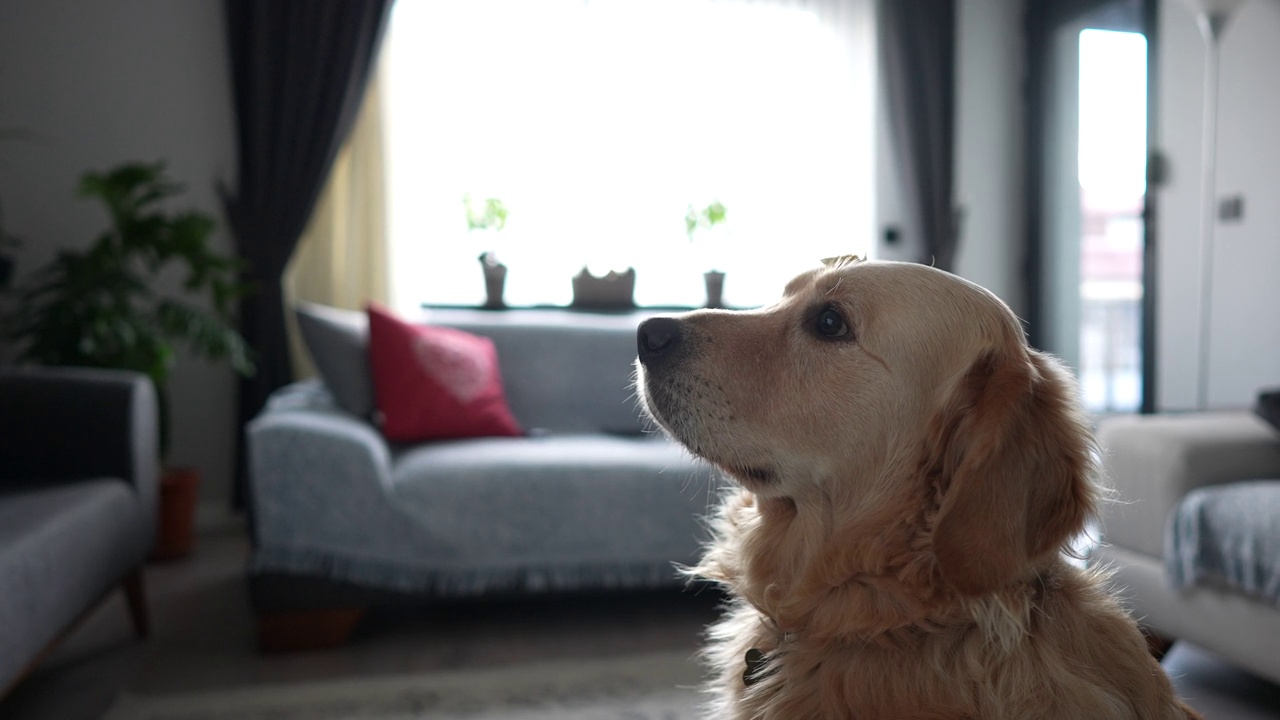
587	500
1193	538
79	470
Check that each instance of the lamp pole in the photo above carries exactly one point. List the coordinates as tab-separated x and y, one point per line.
1212	17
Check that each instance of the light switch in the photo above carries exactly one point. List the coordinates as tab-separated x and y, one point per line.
1231	208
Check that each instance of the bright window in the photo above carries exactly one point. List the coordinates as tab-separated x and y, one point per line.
598	123
1112	174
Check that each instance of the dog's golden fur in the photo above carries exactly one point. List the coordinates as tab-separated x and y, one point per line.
911	472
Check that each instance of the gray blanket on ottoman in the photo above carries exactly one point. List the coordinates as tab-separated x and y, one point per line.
1228	535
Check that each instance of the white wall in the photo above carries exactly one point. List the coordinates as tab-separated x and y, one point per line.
990	115
1245	330
988	153
100	83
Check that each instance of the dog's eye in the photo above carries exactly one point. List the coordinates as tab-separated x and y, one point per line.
829	324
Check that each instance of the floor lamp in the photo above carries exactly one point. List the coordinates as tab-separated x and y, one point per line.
1212	17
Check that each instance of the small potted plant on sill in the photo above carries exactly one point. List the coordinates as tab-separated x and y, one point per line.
102	307
489	216
614	290
703	222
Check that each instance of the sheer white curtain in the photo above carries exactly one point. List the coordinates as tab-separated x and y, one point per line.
341	258
599	123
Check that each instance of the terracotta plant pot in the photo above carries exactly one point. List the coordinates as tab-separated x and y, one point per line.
176	524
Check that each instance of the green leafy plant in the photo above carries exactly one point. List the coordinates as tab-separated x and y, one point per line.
487	214
101	307
706	218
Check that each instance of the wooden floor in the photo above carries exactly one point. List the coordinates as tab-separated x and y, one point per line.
203	638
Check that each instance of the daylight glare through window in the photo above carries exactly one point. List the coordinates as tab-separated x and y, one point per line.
598	123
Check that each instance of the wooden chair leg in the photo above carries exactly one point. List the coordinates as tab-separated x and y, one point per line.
1157	644
299	630
136	595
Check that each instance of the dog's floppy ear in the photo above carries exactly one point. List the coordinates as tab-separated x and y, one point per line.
1013	457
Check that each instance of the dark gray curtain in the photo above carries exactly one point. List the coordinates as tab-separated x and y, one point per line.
918	43
299	69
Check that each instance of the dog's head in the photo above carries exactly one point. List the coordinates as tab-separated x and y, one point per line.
872	388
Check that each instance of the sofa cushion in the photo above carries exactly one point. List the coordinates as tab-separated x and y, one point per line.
1228	536
570	500
435	382
62	547
564	371
338	341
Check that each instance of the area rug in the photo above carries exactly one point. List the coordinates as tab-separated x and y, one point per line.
644	687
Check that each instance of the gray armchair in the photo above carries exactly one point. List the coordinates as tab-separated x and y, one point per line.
79	471
1199	489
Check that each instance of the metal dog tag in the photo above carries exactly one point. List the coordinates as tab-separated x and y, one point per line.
757	664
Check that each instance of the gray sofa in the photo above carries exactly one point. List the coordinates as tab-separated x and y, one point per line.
79	471
1193	538
588	500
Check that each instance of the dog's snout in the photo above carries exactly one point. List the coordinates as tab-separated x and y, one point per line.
659	339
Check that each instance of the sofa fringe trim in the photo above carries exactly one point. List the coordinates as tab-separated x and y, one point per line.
462	582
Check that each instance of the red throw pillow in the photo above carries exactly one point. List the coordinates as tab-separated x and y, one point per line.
433	383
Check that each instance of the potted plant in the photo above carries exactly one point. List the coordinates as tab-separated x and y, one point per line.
605	282
705	220
489	216
613	290
101	307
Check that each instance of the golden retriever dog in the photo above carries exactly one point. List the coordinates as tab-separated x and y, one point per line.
910	475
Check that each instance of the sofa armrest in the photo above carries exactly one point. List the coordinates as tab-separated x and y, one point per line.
1152	461
61	424
316	477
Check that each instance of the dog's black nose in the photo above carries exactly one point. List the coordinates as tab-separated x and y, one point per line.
658	339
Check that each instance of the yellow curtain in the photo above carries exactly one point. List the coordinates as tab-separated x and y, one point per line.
341	259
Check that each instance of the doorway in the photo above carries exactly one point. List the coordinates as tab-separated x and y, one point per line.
1089	62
